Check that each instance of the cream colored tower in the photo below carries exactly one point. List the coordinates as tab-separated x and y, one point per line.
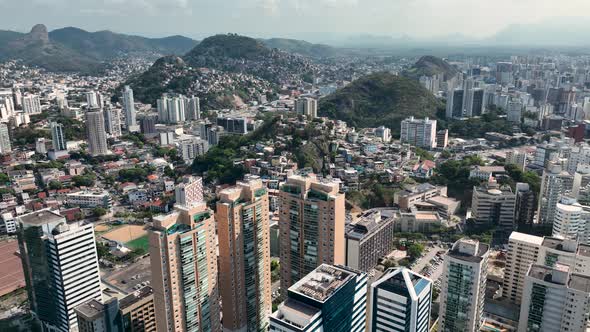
244	257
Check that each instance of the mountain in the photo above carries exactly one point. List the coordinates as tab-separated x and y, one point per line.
223	70
35	48
429	66
301	47
565	31
379	99
73	49
107	44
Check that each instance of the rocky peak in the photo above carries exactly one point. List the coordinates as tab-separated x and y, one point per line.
39	32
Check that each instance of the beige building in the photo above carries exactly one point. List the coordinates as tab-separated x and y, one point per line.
138	312
184	270
311	224
244	256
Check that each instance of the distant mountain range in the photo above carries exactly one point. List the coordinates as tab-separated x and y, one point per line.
429	65
73	49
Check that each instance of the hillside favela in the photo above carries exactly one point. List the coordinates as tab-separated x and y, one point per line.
294	166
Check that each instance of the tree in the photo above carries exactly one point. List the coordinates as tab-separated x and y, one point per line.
99	211
55	185
83	180
415	250
4	178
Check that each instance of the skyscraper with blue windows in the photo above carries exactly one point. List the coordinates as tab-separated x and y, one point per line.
400	301
330	298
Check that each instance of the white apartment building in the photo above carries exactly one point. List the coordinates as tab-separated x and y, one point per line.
58	138
554	184
89	199
31	104
190	191
419	132
62	265
307	106
463	285
400	301
97	136
517	158
555	300
129	107
572	221
5	146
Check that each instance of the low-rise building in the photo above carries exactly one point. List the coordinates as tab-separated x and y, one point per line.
90	199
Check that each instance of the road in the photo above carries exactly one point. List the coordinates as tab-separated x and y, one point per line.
425	261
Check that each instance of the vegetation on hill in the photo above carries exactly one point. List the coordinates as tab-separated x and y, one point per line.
76	50
429	65
379	99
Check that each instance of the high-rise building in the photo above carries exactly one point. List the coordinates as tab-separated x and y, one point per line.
148	124
92	99
132	313
307	106
184	270
112	122
494	205
60	262
176	109
514	111
442	138
31	104
463	285
330	298
192	147
233	125
129	107
40	145
194	108
525	204
554	184
311	224
400	301
190	191
517	158
523	251
477	102
95	130
162	105
370	238
572	221
5	146
554	299
244	256
58	138
455	103
419	132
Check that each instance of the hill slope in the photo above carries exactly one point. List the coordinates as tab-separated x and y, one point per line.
429	65
106	44
252	68
72	49
379	99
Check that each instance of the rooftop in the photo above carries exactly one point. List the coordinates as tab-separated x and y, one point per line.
90	310
584	250
322	282
580	283
295	313
135	297
41	217
522	237
469	250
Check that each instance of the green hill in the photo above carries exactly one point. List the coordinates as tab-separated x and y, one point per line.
379	99
429	65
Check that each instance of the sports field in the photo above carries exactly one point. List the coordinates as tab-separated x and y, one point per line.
139	243
11	273
125	234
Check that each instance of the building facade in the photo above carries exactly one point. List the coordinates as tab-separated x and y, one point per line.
311	224
419	132
97	136
244	256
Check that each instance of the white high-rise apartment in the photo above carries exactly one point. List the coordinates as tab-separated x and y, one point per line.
191	148
419	132
555	300
61	265
92	99
307	106
162	105
58	138
5	146
190	191
572	220
463	286
95	130
112	119
129	107
400	301
525	250
31	104
193	111
176	110
555	183
383	133
517	158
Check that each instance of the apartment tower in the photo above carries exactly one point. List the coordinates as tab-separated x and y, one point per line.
95	130
244	256
311	225
184	270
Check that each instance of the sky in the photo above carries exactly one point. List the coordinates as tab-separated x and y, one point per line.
309	19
